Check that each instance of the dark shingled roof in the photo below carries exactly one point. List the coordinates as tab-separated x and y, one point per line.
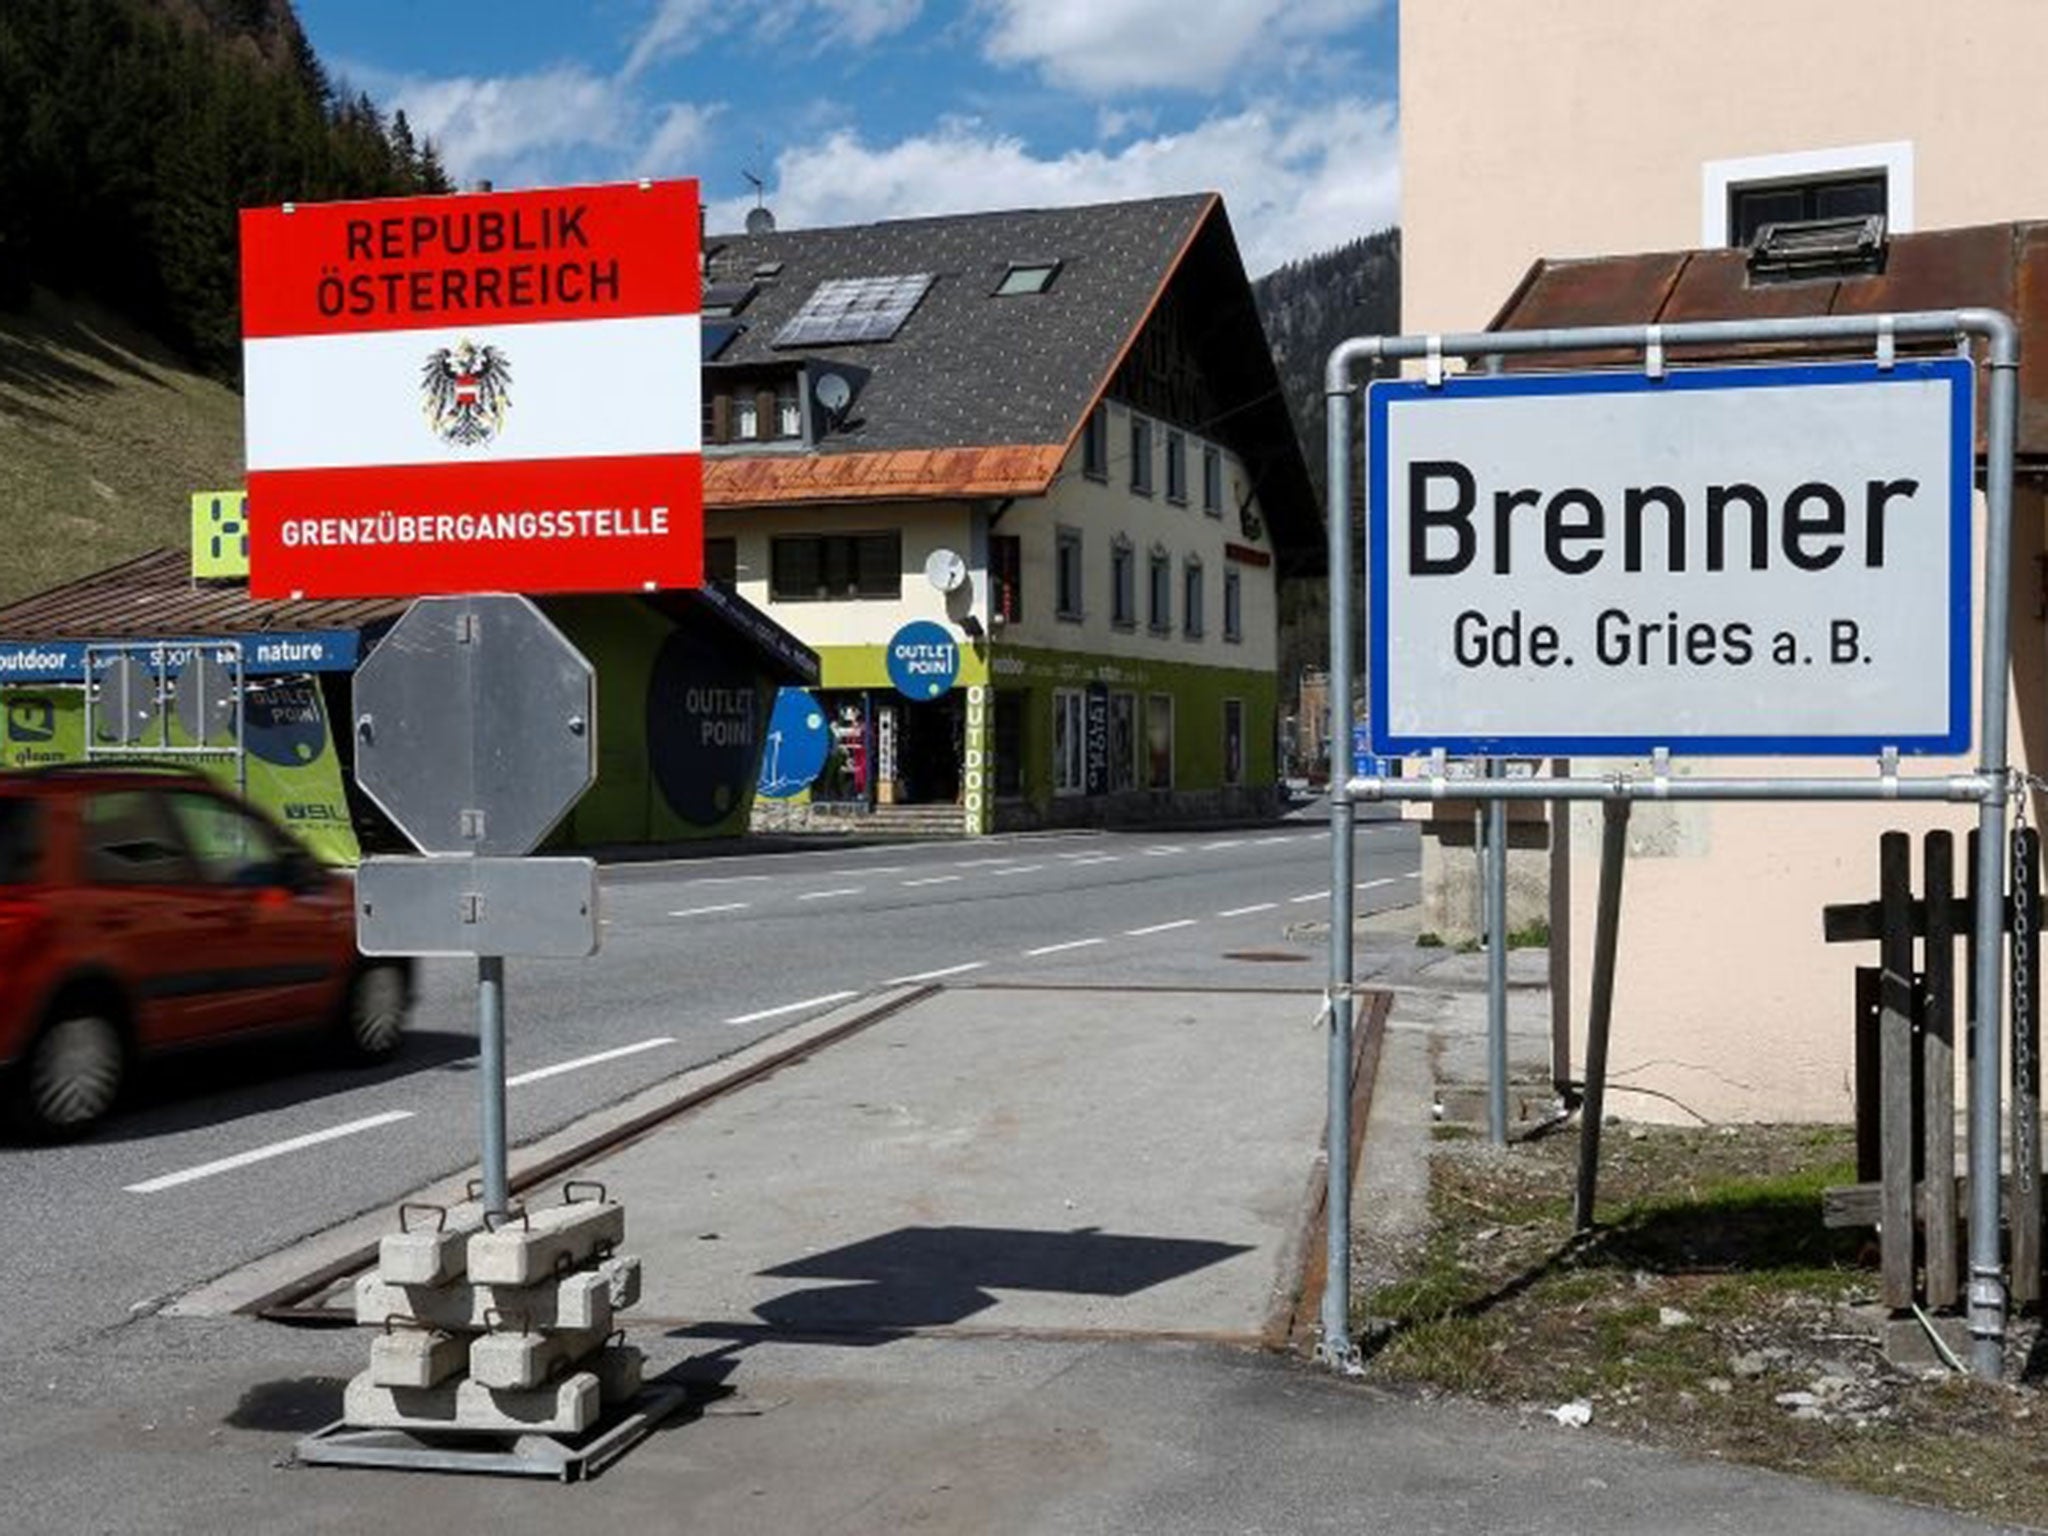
983	396
968	370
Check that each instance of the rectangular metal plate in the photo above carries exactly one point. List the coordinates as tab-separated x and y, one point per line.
545	908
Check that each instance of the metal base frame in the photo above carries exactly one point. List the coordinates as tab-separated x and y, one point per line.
567	1459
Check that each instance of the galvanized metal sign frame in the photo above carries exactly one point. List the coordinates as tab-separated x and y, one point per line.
164	667
1988	787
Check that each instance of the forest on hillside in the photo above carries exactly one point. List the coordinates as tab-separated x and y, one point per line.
132	132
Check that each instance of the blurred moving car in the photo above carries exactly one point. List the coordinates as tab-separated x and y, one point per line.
146	910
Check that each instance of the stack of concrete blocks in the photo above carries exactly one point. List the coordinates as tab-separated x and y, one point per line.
499	1331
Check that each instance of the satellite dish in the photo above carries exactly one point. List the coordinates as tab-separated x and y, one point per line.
945	570
834	393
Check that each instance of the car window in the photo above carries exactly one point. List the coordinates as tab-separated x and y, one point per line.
230	846
128	842
21	839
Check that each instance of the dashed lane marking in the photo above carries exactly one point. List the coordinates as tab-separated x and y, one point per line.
931	880
724	906
264	1154
1054	949
588	1061
951	970
847	890
1263	906
1179	922
809	1002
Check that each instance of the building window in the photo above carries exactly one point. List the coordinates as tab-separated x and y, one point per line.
1141	454
1176	468
1123	741
1159	741
1006	573
722	560
1123	583
1069	771
1233	606
1212	480
1751	208
1191	598
746	417
789	409
828	567
1067	574
1890	165
1233	741
1161	592
1095	444
1027	277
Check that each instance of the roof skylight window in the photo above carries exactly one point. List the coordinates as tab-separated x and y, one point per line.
723	300
1027	277
851	309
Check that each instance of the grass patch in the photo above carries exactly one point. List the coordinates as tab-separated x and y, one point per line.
1709	1290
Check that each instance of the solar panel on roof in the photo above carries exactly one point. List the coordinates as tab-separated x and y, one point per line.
849	309
717	335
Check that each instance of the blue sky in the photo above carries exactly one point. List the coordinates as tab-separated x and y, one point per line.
852	110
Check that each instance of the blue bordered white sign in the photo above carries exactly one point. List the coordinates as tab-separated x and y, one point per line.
63	661
1768	561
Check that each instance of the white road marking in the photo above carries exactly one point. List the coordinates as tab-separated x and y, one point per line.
1264	906
951	970
981	863
1098	858
728	879
725	906
588	1061
1311	896
1018	869
931	880
855	874
1373	885
1267	842
1160	853
1235	842
809	1002
1179	922
264	1154
1054	949
1416	874
848	890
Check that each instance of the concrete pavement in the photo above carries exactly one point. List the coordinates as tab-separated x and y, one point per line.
999	1261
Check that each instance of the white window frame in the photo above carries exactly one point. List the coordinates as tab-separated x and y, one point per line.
1141	454
1233	607
1123	583
1095	444
1069	754
1159	591
1062	539
1894	161
1194	597
1212	480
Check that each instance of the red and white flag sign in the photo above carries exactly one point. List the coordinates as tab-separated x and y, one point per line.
484	392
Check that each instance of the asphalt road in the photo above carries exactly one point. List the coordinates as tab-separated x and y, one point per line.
230	1155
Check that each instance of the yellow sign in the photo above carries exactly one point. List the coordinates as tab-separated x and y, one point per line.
220	534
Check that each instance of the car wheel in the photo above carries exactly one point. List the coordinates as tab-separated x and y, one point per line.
374	1022
72	1075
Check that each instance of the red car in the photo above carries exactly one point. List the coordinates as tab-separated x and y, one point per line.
144	911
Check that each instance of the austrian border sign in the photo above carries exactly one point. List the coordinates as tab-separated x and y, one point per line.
1740	561
485	392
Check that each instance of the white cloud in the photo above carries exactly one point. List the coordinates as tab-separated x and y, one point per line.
1101	47
681	26
677	145
1296	180
511	127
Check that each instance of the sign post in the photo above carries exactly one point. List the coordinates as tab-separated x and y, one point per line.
476	732
1764	562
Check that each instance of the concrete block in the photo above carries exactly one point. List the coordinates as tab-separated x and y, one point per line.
524	1360
585	1299
550	1240
566	1408
416	1357
421	1257
619	1371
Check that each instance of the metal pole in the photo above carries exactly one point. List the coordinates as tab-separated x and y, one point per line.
1987	1278
1606	939
1496	966
1336	1344
490	1006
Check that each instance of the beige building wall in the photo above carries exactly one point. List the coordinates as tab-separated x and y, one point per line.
1559	128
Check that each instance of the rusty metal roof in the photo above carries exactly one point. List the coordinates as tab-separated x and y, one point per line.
154	597
1996	266
766	480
